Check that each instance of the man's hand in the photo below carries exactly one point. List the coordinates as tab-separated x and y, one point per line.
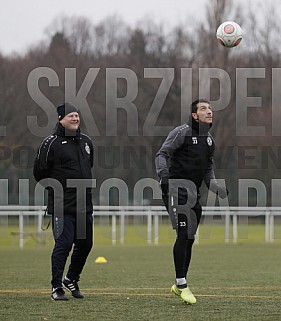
222	192
164	185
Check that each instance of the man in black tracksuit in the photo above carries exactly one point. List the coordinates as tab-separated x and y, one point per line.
63	165
189	151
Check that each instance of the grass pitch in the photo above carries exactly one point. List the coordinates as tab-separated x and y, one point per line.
231	282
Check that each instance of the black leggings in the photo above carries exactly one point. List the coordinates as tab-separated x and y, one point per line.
182	249
186	228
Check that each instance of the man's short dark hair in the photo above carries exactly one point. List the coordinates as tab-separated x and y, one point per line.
193	106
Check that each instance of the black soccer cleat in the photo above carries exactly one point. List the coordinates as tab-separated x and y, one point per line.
73	288
58	294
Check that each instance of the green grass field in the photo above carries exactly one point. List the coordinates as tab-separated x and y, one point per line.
231	281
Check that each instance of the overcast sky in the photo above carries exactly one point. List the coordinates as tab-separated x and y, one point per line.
23	22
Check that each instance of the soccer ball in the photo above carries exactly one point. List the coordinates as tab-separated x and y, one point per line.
229	34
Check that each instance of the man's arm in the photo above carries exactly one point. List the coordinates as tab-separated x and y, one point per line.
44	159
91	154
174	140
212	183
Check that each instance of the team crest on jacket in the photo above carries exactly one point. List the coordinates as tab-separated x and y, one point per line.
209	141
87	148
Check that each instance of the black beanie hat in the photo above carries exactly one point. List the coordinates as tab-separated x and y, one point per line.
65	109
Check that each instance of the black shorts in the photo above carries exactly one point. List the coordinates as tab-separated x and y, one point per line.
178	207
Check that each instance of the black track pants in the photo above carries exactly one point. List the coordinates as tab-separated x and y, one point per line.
65	231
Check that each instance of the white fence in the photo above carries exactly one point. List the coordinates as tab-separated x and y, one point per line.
152	214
